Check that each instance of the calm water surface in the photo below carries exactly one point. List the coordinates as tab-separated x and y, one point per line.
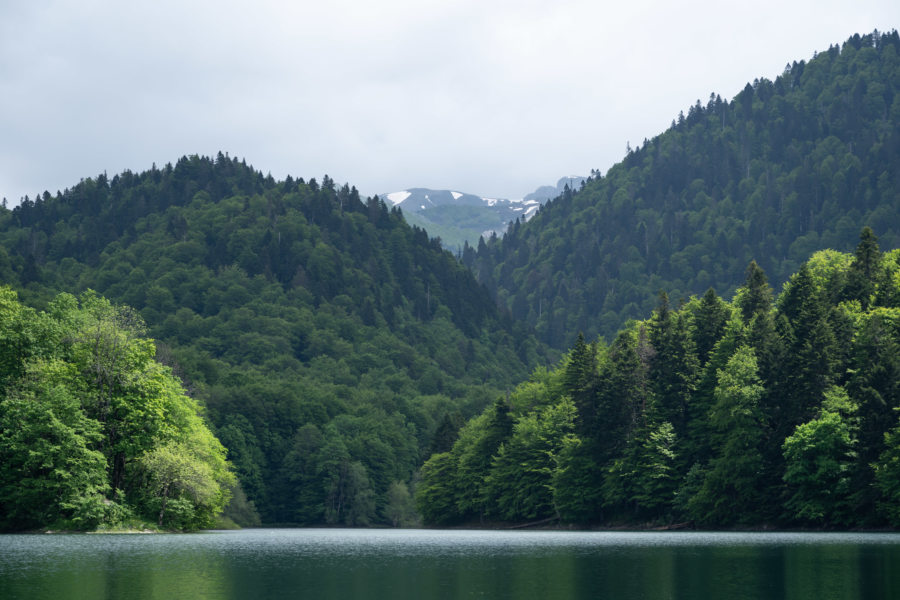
401	564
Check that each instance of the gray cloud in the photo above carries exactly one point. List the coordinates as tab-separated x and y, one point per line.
493	98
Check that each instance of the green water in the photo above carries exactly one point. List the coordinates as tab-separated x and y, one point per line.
401	564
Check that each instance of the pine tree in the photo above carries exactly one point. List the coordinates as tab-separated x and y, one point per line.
642	482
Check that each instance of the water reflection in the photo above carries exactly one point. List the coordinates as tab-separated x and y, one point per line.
454	564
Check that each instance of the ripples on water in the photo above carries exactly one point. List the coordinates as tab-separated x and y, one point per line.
398	564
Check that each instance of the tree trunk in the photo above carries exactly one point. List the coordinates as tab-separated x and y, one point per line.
162	508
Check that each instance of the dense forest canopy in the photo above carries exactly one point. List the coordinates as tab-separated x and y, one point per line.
327	339
332	348
786	168
712	413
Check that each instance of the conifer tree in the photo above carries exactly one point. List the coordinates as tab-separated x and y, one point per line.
580	384
709	320
755	297
865	271
623	398
731	488
874	386
674	369
808	367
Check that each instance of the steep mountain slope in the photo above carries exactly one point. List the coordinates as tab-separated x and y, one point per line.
786	168
326	337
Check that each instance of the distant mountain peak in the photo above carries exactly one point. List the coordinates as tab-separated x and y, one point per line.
548	192
458	217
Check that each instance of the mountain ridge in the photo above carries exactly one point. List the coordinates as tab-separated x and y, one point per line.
325	337
786	168
460	218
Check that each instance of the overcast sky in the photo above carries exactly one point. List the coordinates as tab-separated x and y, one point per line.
487	97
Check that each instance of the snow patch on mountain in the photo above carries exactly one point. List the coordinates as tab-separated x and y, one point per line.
396	198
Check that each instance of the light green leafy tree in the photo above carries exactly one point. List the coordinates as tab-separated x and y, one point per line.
178	482
400	510
819	456
89	420
50	473
519	486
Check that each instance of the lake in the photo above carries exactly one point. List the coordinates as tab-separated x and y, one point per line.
401	564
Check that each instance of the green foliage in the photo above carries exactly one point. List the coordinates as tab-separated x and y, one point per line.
887	476
786	415
624	393
50	468
284	306
348	492
576	495
865	271
641	483
674	368
436	494
710	317
182	482
819	456
478	442
580	380
239	512
89	419
874	384
754	298
400	510
519	483
730	492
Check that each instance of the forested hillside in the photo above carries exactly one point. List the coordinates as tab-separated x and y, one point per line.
332	348
786	168
713	413
326	338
